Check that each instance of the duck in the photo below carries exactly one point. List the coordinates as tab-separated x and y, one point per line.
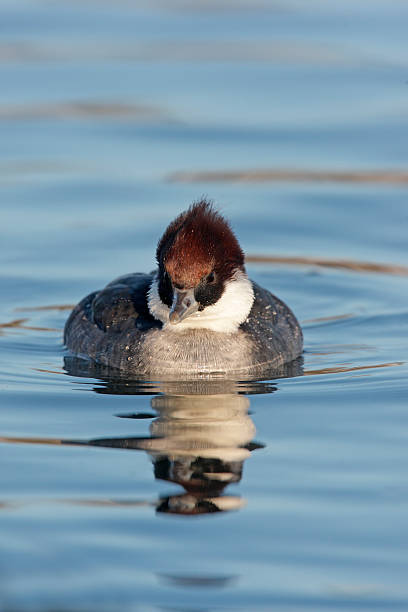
196	315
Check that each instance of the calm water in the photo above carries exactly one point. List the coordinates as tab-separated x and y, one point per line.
289	494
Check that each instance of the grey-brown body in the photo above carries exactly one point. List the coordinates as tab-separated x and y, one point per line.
114	327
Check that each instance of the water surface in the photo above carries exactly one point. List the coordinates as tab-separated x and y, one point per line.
286	494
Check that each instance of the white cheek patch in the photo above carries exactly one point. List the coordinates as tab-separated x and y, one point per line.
226	315
156	307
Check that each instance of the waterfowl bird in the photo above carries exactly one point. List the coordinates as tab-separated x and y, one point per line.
198	313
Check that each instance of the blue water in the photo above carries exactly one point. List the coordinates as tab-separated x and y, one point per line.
106	112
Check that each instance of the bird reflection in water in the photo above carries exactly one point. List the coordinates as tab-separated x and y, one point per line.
199	442
204	442
200	439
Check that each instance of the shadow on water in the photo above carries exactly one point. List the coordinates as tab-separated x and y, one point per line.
201	433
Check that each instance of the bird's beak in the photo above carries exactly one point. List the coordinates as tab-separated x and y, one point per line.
184	304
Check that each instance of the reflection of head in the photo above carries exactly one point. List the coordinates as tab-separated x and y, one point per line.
198	473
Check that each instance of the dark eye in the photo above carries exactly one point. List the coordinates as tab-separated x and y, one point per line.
211	278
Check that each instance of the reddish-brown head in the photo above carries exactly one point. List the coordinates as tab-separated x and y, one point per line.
198	251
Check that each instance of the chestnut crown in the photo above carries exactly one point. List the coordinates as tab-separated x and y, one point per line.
201	281
198	245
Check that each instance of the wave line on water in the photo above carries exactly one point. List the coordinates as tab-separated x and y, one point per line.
340	369
20	324
51	307
388	177
344	264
